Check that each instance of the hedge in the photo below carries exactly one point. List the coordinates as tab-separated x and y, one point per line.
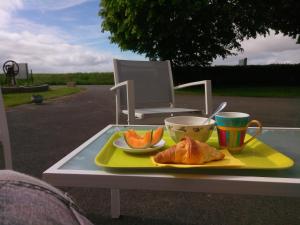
260	75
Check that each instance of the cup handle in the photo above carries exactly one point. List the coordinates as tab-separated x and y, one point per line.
258	131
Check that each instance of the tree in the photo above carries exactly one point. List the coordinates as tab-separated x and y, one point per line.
285	17
193	32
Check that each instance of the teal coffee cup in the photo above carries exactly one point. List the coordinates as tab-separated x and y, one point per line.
232	128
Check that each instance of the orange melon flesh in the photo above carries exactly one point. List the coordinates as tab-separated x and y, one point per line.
157	135
133	133
135	141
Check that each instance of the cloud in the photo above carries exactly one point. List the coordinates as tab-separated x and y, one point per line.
45	5
7	8
266	50
45	53
46	48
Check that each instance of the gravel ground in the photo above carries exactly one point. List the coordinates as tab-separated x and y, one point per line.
43	134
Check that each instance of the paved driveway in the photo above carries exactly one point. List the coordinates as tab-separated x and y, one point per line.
42	134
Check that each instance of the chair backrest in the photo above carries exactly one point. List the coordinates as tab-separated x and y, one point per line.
4	135
153	82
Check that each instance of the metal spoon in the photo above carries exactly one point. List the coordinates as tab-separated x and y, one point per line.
220	108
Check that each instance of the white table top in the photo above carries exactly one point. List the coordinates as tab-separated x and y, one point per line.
79	170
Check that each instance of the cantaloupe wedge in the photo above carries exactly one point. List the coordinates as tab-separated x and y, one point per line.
150	138
157	135
134	140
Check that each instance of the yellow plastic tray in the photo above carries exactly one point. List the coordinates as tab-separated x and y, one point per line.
256	155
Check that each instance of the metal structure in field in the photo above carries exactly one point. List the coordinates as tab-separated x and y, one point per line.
11	70
23	71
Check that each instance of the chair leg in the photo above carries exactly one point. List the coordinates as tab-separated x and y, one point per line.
130	120
208	97
117	107
7	154
4	135
115	203
117	118
130	102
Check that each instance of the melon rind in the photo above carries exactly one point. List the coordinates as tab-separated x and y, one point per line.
157	135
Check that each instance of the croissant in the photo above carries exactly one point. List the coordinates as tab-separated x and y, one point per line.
189	151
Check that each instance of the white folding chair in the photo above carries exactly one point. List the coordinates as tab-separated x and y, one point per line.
4	135
145	88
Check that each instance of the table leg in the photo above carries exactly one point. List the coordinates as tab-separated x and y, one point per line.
115	203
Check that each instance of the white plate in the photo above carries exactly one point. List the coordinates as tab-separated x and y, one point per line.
120	143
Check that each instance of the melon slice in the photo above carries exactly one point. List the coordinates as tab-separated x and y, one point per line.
133	133
157	135
134	140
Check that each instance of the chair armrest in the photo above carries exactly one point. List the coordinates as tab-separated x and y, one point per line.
207	92
202	82
129	84
117	86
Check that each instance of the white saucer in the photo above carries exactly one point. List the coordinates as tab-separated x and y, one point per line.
120	143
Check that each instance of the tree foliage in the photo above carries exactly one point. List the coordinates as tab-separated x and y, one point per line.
194	32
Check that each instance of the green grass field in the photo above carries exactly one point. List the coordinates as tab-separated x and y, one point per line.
107	79
79	78
63	78
24	98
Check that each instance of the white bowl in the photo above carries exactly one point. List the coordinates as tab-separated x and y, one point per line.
191	126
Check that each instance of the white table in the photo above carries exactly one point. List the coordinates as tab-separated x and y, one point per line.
78	169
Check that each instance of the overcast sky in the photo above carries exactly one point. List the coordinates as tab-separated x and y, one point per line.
65	36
